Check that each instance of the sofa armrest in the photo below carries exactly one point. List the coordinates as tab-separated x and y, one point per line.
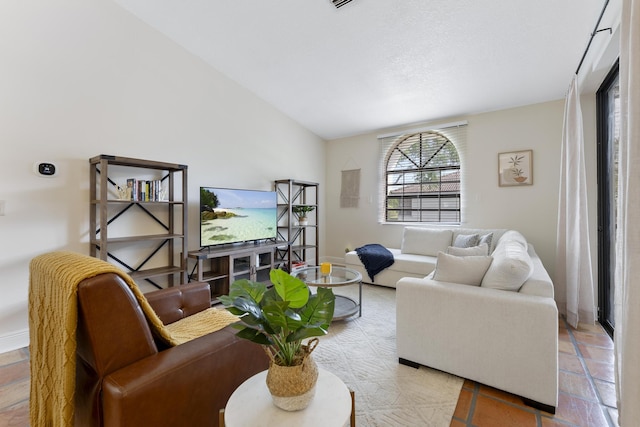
177	302
503	339
539	283
183	385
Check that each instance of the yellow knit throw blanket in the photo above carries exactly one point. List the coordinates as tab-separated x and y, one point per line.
53	315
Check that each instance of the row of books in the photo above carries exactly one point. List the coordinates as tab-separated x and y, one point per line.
145	191
298	264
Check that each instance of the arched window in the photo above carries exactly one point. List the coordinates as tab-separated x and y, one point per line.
422	179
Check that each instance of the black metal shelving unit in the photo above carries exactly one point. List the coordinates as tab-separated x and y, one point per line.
302	240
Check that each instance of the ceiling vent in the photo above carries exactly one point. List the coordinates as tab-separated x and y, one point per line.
340	3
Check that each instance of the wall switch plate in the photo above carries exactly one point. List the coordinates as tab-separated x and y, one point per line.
45	169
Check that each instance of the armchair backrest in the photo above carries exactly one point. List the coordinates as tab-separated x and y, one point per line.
112	332
175	303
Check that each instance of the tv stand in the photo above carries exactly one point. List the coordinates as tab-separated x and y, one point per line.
223	265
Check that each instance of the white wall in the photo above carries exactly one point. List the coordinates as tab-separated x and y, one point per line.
530	209
82	78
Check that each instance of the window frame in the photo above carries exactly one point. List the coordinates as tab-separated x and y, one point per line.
432	141
607	151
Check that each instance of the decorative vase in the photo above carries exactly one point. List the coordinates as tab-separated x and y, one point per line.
292	387
302	220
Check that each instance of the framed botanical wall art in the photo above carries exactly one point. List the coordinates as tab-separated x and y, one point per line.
515	168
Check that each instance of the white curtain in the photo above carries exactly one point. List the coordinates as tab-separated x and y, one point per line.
574	275
627	275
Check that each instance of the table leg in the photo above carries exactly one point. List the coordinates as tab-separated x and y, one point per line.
353	408
360	299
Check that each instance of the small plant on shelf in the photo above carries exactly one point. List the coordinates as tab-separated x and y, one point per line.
301	212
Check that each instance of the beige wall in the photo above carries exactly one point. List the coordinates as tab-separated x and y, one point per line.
530	209
82	78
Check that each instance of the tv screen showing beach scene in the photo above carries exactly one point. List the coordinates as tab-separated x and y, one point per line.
232	215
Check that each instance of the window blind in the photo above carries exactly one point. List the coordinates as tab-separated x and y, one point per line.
456	132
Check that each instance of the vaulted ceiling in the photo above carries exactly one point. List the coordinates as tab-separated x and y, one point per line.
374	64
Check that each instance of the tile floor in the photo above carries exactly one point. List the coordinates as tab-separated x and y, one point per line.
587	395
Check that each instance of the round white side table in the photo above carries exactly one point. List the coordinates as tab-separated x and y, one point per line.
251	405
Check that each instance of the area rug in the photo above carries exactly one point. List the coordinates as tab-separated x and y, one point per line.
362	352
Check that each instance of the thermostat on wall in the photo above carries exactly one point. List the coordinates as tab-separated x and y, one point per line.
46	169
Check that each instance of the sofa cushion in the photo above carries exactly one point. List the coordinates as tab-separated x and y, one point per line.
425	241
511	266
472	251
466	270
496	234
413	264
486	239
466	240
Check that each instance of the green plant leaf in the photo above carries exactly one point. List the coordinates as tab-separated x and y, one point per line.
302	209
316	315
247	306
244	288
280	317
232	309
254	336
289	288
269	296
320	307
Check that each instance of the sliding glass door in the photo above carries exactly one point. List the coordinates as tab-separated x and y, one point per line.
608	110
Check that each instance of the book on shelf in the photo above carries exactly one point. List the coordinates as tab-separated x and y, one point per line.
298	264
144	190
131	189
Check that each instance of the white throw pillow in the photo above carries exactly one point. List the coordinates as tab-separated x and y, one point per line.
466	240
472	251
466	270
511	266
425	241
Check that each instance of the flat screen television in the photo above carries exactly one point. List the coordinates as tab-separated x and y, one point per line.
229	215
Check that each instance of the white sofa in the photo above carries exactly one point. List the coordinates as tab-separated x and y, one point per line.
492	319
417	255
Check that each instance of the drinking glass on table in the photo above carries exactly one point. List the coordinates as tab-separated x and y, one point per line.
325	269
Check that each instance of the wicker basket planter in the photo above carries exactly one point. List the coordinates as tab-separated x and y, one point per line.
292	387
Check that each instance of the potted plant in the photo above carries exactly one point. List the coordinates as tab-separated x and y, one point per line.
279	319
301	212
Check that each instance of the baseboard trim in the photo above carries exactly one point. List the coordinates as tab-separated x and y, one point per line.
14	341
408	363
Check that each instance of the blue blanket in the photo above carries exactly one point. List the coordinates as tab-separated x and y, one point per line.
375	258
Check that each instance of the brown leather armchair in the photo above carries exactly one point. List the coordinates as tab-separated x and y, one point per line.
126	378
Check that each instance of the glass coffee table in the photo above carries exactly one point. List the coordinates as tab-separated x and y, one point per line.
340	276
